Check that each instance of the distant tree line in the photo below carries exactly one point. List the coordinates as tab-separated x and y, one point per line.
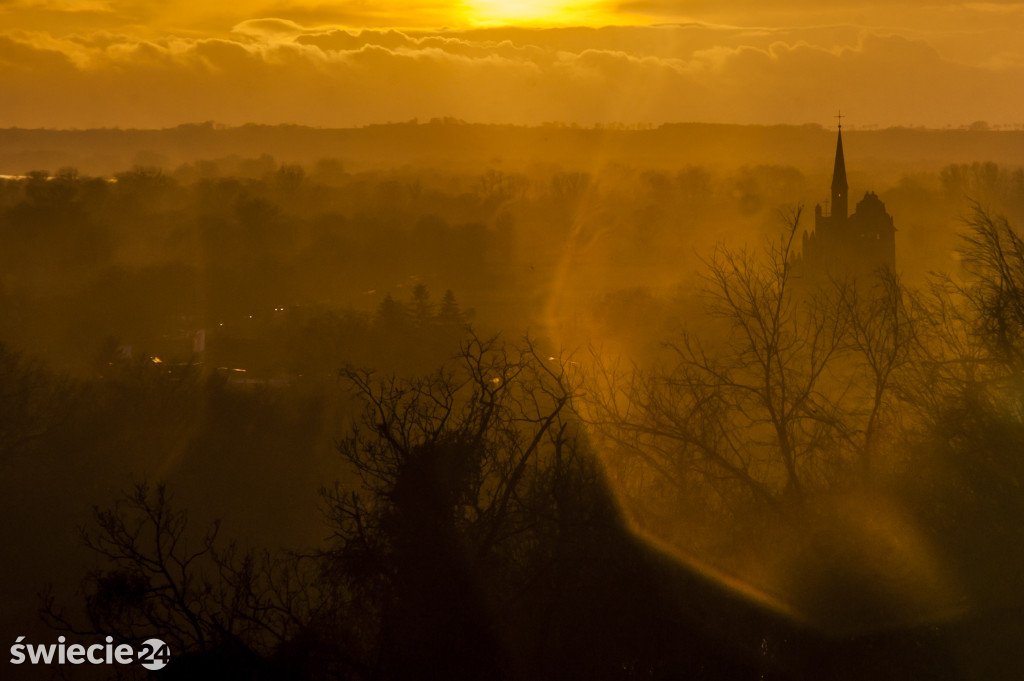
149	253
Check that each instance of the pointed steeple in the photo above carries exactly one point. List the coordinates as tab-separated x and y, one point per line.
839	186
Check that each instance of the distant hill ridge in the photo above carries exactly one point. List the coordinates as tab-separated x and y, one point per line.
457	146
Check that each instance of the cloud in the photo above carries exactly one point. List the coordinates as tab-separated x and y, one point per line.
361	14
344	40
268	27
703	7
59	5
23	58
277	71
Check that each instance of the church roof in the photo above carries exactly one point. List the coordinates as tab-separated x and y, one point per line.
839	173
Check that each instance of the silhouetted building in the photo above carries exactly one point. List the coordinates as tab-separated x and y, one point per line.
844	245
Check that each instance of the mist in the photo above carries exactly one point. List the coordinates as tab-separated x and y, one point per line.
441	400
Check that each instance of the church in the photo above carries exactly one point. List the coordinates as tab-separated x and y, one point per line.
843	245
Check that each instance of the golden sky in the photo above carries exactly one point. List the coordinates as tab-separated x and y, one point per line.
128	63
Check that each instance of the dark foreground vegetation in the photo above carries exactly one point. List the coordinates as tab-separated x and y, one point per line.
798	484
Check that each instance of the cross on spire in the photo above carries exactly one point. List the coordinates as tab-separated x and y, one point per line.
840	117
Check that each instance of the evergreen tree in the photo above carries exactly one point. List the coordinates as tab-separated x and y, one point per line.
422	308
450	314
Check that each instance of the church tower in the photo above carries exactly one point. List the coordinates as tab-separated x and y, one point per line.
840	208
847	245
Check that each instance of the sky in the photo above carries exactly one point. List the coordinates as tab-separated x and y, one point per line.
129	63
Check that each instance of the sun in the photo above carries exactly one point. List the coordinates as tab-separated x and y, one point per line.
525	11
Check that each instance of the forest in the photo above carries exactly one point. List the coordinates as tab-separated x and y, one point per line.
310	420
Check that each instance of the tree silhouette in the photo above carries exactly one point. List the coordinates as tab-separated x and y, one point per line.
454	471
449	313
966	387
422	308
751	443
215	605
757	405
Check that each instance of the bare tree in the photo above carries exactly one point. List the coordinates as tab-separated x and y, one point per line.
200	597
464	481
971	330
781	391
993	256
881	343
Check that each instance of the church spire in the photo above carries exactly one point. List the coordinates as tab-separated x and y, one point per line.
839	186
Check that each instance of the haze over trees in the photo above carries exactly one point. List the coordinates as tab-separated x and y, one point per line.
534	423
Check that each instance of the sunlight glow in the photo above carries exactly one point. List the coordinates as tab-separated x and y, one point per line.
527	11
